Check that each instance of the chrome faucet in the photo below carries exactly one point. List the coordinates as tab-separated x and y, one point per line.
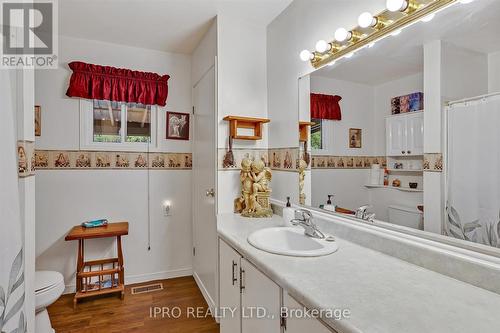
304	218
361	213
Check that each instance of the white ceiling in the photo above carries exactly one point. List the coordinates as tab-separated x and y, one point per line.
475	26
165	25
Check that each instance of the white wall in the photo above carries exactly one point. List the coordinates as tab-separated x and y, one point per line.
357	112
494	72
66	198
465	72
242	89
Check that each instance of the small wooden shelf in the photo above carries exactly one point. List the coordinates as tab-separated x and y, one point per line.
236	122
304	130
403	189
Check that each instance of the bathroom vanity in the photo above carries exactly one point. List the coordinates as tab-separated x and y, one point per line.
376	291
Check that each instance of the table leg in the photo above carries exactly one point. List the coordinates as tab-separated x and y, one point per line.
79	264
121	274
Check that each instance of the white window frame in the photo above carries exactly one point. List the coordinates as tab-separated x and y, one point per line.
87	131
326	138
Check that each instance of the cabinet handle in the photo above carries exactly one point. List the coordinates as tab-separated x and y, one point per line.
409	151
233	276
242	284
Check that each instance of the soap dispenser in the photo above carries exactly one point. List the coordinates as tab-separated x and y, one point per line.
329	205
288	213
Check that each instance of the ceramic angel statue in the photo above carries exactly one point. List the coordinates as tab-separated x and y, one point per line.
255	179
302	176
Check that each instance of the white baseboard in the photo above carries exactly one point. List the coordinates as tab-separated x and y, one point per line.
204	292
133	279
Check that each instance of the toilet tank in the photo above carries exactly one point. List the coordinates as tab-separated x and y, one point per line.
406	216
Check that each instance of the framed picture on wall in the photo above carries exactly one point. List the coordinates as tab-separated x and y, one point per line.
38	120
177	126
354	138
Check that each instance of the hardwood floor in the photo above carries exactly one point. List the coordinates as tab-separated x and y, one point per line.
108	314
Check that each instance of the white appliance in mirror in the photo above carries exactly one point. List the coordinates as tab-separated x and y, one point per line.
381	131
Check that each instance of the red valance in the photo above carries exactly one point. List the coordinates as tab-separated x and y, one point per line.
325	107
117	84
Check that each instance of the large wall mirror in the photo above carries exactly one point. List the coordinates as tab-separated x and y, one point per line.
404	134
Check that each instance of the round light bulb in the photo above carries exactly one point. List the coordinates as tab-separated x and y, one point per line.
305	55
322	46
428	18
367	20
341	35
396	5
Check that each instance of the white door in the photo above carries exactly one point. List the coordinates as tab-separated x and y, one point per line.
301	325
396	136
258	293
415	130
204	173
229	286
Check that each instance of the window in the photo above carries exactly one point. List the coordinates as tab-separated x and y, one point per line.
116	126
317	134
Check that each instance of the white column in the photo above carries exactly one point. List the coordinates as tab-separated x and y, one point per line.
433	193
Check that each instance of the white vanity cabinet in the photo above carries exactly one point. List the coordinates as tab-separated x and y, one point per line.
249	293
405	134
296	324
229	289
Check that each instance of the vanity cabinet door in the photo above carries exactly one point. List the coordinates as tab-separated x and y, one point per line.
301	325
229	287
396	136
260	296
415	130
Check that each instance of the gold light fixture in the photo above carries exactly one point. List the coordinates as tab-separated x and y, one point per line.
372	28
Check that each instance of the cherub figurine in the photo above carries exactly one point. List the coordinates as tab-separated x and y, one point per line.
261	177
302	176
246	183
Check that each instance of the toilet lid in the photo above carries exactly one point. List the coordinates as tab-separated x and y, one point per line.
46	280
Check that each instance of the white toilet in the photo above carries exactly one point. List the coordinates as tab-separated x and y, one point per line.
49	286
406	216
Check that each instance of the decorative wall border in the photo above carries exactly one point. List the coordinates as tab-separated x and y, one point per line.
110	160
25	158
433	162
281	159
239	154
347	162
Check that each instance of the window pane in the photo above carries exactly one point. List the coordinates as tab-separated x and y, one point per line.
317	134
138	123
107	121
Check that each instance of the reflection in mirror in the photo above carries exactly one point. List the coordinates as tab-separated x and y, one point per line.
380	131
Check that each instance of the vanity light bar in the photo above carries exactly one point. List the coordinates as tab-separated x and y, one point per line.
399	15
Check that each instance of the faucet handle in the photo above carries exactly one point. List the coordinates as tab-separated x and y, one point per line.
303	214
361	211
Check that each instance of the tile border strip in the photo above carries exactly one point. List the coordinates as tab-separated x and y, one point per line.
25	158
433	162
109	160
347	162
280	159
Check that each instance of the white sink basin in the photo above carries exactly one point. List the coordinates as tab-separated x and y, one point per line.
291	242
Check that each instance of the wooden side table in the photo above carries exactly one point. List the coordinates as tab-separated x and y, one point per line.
113	267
